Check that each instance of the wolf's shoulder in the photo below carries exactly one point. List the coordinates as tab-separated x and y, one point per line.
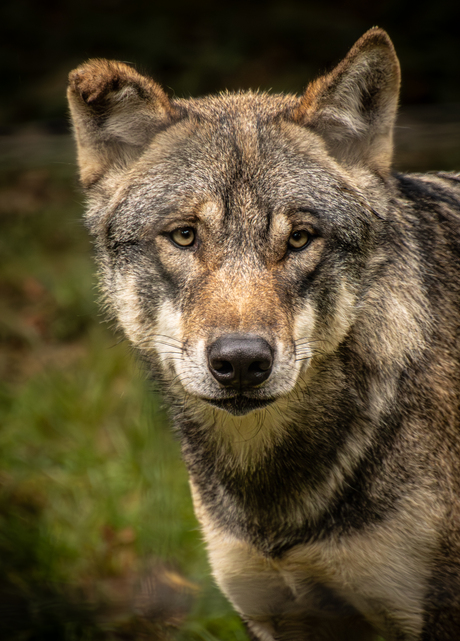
432	202
431	189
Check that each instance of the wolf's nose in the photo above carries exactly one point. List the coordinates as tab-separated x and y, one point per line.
240	360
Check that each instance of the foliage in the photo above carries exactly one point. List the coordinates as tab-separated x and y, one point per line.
98	538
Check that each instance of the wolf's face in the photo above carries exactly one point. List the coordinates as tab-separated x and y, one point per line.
236	249
233	231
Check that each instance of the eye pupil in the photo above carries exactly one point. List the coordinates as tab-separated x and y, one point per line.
184	237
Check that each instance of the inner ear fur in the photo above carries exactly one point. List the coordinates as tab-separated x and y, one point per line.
115	113
353	108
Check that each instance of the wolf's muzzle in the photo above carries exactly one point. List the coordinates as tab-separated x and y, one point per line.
240	361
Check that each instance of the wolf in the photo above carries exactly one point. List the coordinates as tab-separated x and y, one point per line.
297	302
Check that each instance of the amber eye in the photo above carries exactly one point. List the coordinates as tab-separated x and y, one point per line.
184	236
299	239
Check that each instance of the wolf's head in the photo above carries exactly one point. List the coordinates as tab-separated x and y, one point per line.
233	231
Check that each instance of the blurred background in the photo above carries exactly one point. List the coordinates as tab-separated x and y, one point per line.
97	534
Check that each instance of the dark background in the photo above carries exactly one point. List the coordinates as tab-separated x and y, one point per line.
193	48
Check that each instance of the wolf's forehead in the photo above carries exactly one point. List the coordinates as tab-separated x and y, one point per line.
234	164
238	155
240	144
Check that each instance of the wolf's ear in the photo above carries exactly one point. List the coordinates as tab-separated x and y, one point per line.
354	107
115	113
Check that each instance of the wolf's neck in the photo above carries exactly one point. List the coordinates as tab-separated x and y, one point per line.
292	464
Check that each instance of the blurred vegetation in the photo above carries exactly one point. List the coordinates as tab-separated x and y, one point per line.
97	535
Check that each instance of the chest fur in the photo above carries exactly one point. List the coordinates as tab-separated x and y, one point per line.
381	573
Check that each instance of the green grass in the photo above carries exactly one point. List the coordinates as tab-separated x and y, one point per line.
94	497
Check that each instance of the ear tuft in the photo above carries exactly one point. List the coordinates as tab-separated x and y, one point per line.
354	106
115	112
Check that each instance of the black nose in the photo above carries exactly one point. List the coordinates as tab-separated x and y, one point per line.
240	360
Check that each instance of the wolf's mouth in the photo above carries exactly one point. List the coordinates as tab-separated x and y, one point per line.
239	405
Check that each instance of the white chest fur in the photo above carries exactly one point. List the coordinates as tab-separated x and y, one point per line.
381	572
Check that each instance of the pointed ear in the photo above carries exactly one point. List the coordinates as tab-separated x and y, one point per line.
354	107
115	113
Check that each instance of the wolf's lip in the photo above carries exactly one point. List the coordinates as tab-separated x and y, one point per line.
239	405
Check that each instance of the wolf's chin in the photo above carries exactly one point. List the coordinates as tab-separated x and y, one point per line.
239	405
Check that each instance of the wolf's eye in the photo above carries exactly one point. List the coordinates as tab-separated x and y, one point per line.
299	240
184	236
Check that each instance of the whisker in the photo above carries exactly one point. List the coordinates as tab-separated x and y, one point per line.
307	341
153	342
171	338
175	353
